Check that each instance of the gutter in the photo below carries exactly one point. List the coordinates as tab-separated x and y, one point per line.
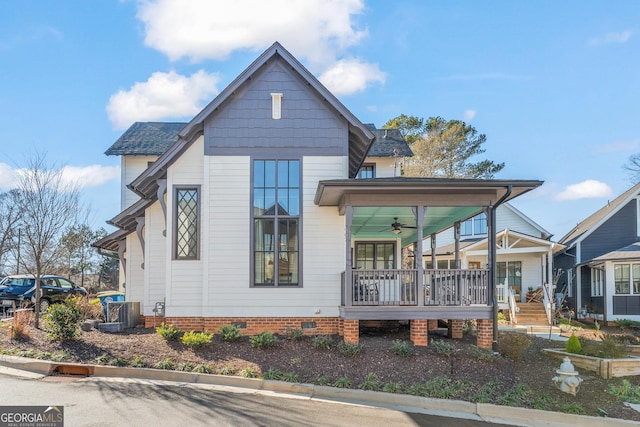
492	257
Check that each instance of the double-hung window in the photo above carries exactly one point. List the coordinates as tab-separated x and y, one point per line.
276	222
627	278
597	282
474	226
187	223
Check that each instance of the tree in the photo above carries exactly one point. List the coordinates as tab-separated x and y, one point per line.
445	148
9	211
48	206
633	167
81	256
411	127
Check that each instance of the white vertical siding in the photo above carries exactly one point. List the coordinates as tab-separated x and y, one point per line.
132	167
323	247
184	285
155	254
134	285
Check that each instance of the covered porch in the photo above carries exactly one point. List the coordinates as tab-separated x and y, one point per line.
384	215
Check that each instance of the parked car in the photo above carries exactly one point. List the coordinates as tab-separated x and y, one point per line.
21	289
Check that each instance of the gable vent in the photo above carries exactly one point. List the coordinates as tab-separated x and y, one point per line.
276	106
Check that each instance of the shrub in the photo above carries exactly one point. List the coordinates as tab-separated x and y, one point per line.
349	349
91	309
272	374
392	387
185	367
167	364
230	333
103	359
202	368
320	380
291	377
62	321
370	382
513	345
626	392
249	372
322	342
138	362
609	348
168	332
573	345
443	347
293	334
482	354
342	382
264	339
118	361
60	356
21	321
402	348
196	339
226	370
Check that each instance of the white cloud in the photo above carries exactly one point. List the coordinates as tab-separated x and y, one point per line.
351	75
213	29
469	115
162	96
589	189
609	38
81	176
89	176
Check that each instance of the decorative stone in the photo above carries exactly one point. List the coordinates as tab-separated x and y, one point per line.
87	326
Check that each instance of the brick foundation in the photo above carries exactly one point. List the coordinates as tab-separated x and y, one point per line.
419	332
484	333
251	325
351	331
454	330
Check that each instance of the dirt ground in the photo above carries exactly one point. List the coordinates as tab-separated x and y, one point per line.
466	374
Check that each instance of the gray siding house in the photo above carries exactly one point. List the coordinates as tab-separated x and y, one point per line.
601	262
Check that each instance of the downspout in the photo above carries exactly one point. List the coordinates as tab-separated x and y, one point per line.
492	263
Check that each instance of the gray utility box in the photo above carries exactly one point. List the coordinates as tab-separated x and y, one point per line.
127	312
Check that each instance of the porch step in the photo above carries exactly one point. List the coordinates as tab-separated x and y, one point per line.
532	314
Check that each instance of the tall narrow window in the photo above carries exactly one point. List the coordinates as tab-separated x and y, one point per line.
187	223
276	222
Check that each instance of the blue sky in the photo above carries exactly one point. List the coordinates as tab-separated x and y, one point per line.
555	86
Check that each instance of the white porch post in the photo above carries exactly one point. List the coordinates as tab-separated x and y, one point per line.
348	275
418	255
456	234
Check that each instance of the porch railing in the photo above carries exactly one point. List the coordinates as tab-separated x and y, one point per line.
399	287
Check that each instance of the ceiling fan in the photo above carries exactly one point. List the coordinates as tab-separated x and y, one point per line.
396	227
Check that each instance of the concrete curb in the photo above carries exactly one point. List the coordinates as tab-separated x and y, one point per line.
451	408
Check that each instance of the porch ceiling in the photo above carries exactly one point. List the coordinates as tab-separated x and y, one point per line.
375	222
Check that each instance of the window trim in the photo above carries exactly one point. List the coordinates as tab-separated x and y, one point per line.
356	243
253	217
597	282
174	251
367	165
472	222
631	291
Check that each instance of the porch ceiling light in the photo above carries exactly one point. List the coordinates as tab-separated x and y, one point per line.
397	231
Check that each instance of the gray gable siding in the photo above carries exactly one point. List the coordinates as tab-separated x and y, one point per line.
244	125
616	232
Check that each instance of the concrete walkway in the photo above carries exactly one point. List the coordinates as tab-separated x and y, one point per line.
33	368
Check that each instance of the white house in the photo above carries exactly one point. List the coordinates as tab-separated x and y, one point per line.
276	207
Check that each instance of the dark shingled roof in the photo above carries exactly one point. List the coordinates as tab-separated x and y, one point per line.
146	139
388	143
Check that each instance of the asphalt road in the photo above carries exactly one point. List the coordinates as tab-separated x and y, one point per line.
106	402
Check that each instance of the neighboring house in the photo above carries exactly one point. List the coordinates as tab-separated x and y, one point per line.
253	214
601	263
524	252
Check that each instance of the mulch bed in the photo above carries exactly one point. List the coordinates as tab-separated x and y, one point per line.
466	374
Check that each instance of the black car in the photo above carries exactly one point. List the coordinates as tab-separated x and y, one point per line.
20	289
